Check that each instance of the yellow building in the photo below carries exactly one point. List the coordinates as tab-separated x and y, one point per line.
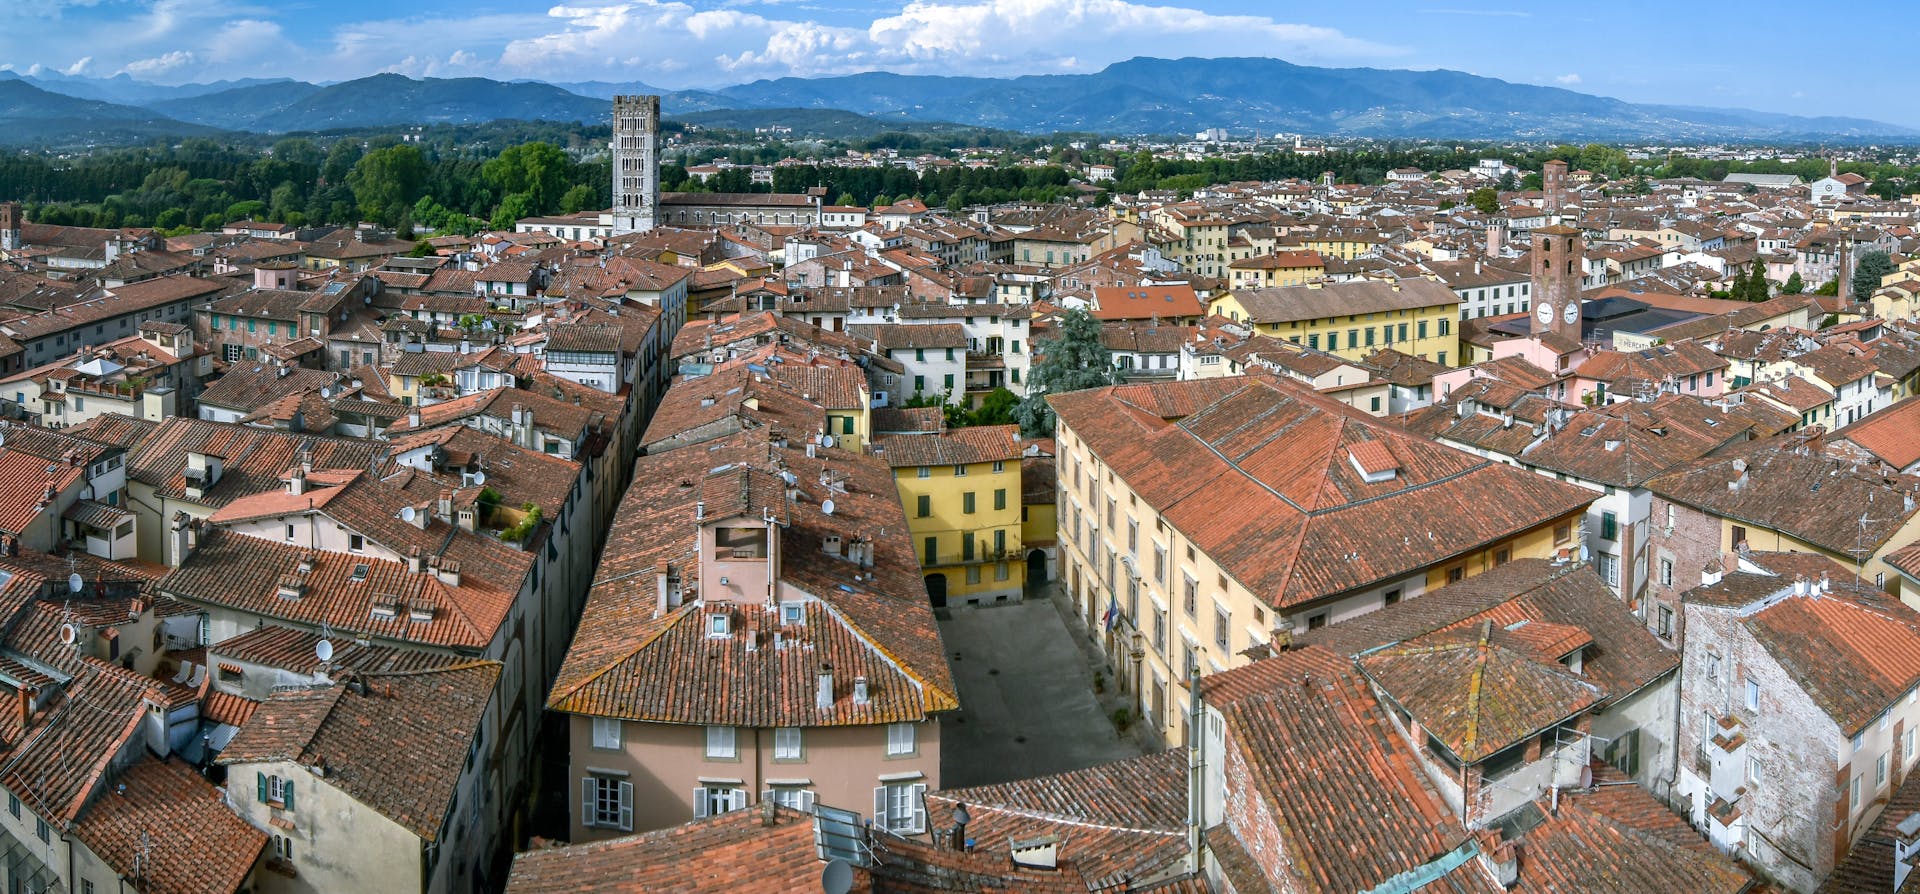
1278	269
1202	519
1345	246
1199	238
961	492
1353	319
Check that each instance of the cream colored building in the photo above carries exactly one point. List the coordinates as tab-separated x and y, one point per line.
1203	519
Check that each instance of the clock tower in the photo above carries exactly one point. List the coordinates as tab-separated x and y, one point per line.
1559	261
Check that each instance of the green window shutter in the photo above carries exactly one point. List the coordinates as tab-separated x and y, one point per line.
1000	499
286	794
260	784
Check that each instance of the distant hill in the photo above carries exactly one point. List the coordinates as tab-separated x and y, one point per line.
241	108
392	100
124	90
810	122
32	116
1138	96
1185	95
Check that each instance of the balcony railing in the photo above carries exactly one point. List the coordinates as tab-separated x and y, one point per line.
1011	551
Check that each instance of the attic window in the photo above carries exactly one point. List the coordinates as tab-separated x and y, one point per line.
1373	461
360	572
718	625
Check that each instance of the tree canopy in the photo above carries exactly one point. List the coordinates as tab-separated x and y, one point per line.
1073	360
1867	273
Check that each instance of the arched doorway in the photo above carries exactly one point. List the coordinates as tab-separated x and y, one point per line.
937	590
1036	567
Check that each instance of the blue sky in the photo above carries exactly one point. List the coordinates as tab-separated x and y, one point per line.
1693	54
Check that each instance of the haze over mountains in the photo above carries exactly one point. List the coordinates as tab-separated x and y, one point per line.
1138	96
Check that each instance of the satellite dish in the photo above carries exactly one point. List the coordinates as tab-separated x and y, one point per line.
68	634
406	513
827	507
323	650
837	877
326	393
1586	777
479	478
826	440
76	583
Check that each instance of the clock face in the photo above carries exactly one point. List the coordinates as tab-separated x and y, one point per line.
1572	314
1545	311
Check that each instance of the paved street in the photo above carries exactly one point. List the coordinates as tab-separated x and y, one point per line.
1028	706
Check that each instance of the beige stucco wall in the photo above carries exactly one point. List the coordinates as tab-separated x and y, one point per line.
666	762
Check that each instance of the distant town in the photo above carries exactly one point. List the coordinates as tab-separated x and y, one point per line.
694	509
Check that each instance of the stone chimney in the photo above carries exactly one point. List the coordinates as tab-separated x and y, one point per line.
823	691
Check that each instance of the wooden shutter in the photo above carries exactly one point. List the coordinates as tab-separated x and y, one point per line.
919	809
587	791
699	803
626	806
260	783
286	794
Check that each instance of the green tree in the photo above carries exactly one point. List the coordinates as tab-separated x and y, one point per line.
1867	273
846	199
1831	289
386	181
1795	285
1485	199
996	408
1757	284
1738	290
1076	359
540	171
580	198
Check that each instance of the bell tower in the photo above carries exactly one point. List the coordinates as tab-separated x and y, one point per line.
1559	260
1553	189
10	226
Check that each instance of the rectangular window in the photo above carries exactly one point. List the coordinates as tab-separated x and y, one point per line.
786	743
1609	526
960	471
966	502
932	552
606	733
923	505
1000	499
900	807
1222	628
606	803
356	543
1160	564
1736	537
926	472
900	739
1880	771
720	743
1753	696
1189	595
714	800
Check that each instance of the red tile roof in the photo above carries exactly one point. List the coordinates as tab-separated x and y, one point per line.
165	827
426	723
1256	472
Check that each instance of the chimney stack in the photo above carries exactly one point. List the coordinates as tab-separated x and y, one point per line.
823	695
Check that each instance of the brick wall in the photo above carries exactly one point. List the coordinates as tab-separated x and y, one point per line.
1691	544
1254	825
1792	808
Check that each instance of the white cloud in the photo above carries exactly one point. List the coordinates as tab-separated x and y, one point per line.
1567	79
982	37
79	66
160	65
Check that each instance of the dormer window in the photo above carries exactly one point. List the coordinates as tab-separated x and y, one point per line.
793	613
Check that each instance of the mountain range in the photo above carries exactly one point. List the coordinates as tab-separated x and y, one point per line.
1138	96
